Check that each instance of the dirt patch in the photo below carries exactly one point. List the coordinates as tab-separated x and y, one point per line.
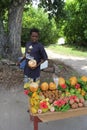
61	70
12	77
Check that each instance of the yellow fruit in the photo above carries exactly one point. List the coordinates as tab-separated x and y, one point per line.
34	94
26	85
52	86
33	110
67	93
83	92
84	78
32	101
73	80
79	89
61	81
44	86
37	97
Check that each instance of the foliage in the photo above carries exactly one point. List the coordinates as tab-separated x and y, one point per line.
53	7
34	17
75	28
4	4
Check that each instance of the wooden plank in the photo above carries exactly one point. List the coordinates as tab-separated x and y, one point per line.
52	116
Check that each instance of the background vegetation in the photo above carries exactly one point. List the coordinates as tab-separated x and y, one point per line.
36	17
71	24
54	18
75	26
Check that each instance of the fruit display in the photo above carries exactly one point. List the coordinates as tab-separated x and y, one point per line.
44	86
33	86
47	96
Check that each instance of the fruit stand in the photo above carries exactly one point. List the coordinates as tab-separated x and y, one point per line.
36	118
57	99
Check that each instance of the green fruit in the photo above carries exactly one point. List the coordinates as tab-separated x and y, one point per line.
72	91
77	92
85	97
45	110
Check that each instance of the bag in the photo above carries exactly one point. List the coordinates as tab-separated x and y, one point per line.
22	64
44	65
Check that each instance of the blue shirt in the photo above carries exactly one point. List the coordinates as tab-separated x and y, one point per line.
36	51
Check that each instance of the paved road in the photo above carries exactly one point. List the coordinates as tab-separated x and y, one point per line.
13	107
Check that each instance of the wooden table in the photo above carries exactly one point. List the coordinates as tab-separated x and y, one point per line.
53	116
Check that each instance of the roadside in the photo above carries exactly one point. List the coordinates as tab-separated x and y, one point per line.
77	63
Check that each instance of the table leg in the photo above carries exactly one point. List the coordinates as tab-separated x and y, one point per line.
35	123
35	120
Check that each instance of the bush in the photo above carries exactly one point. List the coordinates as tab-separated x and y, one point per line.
38	18
75	29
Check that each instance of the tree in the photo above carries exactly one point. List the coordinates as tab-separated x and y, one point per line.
54	8
3	38
10	43
76	22
14	26
10	40
36	17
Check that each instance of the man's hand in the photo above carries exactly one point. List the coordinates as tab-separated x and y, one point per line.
18	63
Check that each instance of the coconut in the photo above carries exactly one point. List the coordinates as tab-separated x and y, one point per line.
32	63
33	87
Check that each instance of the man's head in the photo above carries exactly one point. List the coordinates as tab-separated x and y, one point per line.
34	33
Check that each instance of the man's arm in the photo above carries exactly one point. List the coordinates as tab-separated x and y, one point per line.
40	62
23	58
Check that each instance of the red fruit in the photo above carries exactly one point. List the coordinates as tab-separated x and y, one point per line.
71	101
76	100
81	100
66	99
77	86
74	105
80	104
63	86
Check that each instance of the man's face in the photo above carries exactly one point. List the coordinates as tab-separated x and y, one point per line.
34	37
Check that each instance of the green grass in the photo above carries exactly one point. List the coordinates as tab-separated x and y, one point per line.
68	50
23	50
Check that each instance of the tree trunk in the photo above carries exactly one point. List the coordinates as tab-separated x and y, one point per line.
3	39
14	28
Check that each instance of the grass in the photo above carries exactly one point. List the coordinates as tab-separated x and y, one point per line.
23	50
68	50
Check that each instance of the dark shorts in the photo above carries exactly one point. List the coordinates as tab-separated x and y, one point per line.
27	79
